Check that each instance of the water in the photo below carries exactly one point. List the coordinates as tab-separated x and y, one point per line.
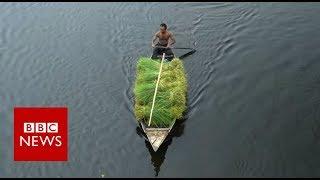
253	99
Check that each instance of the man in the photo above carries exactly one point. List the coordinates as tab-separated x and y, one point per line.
163	46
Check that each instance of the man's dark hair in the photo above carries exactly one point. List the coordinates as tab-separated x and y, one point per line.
163	25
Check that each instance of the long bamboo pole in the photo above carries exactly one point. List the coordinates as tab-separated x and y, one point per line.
156	89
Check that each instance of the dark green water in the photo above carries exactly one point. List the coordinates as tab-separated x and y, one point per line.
254	87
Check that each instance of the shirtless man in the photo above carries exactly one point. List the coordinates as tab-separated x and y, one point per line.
164	37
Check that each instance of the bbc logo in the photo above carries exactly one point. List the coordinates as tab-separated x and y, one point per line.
40	127
40	133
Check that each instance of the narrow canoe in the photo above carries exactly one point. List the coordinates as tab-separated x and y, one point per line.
157	133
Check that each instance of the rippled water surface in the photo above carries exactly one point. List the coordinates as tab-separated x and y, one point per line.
253	97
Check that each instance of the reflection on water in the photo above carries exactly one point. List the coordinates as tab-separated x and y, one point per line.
158	157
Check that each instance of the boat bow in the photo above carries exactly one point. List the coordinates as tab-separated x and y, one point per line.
156	136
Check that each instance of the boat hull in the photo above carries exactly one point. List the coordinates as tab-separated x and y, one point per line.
156	136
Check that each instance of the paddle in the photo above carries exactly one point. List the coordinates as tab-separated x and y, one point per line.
171	47
187	54
182	56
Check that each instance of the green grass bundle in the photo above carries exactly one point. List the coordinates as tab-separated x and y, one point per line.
170	102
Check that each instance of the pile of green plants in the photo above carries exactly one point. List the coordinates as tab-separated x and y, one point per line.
170	102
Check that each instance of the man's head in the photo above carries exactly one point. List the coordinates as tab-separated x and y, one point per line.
163	27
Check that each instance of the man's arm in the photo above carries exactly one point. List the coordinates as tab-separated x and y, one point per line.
155	36
173	40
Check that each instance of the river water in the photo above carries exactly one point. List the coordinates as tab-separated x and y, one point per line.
253	95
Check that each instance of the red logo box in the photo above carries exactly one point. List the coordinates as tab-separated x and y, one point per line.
40	134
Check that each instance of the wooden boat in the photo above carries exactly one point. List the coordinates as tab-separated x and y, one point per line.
156	136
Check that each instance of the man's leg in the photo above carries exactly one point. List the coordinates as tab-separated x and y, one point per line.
169	52
156	52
